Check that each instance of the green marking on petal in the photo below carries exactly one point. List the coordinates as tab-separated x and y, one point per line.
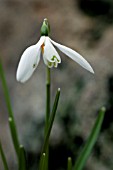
50	64
55	58
55	64
34	65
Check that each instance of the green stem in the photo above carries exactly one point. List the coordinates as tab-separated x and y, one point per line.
48	84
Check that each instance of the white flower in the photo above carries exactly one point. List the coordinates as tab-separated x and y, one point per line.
31	57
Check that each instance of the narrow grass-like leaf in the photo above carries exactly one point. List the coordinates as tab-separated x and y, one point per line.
52	116
22	159
3	158
14	135
45	162
85	152
5	89
10	112
50	124
69	164
42	165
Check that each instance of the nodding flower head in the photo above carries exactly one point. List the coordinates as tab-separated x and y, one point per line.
45	47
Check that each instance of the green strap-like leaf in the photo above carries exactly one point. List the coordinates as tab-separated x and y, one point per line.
5	89
81	161
3	158
42	165
14	135
22	159
50	124
69	164
10	112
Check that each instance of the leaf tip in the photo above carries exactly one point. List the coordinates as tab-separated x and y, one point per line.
10	119
103	109
58	89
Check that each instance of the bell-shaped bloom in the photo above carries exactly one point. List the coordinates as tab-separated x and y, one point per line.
31	57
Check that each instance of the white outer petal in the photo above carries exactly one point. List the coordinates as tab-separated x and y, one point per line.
50	51
29	59
74	56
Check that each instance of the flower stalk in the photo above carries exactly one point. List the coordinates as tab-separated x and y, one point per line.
48	96
48	85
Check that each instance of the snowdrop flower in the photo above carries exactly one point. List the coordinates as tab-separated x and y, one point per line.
45	47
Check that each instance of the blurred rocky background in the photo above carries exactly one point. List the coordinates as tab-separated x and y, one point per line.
85	26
